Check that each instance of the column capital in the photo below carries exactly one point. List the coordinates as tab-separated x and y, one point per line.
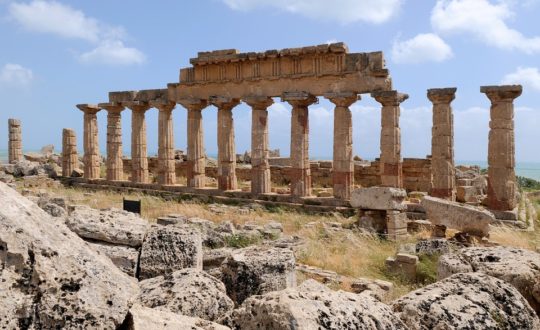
299	99
111	107
163	106
259	102
502	93
136	105
193	104
224	102
441	95
89	108
342	99
389	98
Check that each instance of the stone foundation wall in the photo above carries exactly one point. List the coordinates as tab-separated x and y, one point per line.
416	173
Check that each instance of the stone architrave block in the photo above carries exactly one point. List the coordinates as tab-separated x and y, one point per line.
466	218
379	198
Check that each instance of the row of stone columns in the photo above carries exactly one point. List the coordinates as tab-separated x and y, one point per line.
502	187
343	173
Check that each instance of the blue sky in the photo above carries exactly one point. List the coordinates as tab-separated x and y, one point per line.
56	54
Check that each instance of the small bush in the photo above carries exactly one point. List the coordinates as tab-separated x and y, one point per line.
426	271
241	241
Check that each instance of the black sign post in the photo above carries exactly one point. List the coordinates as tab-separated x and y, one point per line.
132	206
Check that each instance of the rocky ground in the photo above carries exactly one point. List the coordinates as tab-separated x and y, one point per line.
68	262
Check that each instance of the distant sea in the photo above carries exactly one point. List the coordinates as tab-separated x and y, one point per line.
526	169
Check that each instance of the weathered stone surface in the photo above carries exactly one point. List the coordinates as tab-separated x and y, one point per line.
113	226
466	301
313	306
466	218
49	278
520	268
381	290
144	318
379	198
126	258
258	270
189	292
432	246
170	248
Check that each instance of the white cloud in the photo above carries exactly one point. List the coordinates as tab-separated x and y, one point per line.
427	47
113	53
345	11
528	77
15	74
55	18
484	20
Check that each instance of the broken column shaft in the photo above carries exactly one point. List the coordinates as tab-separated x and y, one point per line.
70	157
15	141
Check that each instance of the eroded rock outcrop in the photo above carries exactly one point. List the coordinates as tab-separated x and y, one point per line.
519	267
169	248
466	301
313	306
49	278
258	270
189	292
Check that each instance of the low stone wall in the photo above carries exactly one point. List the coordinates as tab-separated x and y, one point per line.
416	172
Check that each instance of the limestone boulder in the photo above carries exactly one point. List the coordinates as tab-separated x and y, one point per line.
313	306
189	292
169	248
126	258
466	301
519	267
379	198
258	270
49	278
144	318
465	218
112	226
26	168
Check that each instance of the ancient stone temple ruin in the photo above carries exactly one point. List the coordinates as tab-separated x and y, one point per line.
300	77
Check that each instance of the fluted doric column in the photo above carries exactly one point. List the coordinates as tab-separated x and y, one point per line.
70	157
115	162
260	167
391	165
502	187
343	165
90	141
300	167
139	152
15	141
166	167
226	145
196	162
442	143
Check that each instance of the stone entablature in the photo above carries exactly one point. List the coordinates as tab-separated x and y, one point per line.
315	70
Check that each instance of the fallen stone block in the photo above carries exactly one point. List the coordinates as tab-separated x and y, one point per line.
519	267
258	270
466	301
313	306
126	258
112	226
169	248
466	218
144	318
189	292
379	198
